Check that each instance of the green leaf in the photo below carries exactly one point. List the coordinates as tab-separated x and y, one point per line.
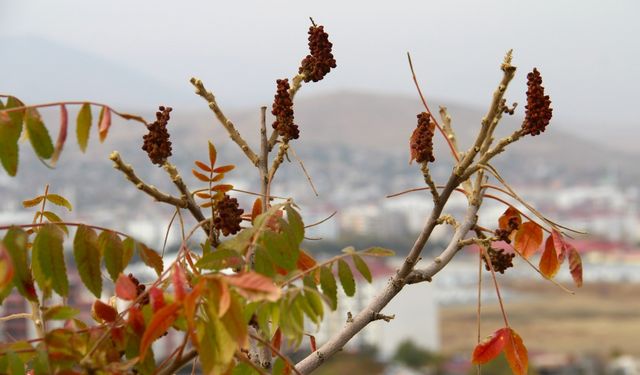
112	250
151	258
220	259
346	278
263	263
16	243
53	218
244	369
303	303
280	250
38	135
59	200
17	116
9	136
279	367
129	247
217	343
87	254
329	286
315	301
295	224
60	312
47	247
362	267
83	126
16	366
378	252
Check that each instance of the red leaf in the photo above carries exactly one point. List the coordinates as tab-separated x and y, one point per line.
549	264
224	169
256	209
157	298
136	320
276	342
575	265
490	347
62	135
105	123
203	166
528	239
159	324
312	341
200	176
6	268
560	245
179	282
516	353
125	288
511	212
254	286
104	312
212	154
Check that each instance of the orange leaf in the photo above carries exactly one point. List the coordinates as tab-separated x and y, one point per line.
516	353
218	177
305	261
105	123
200	176
62	135
136	320
560	245
224	169
254	286
104	312
549	265
203	166
222	188
206	204
490	347
528	239
159	324
203	195
256	209
221	295
179	282
212	154
190	304
125	288
575	265
157	298
276	342
511	212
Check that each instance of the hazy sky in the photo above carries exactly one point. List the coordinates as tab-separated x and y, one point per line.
588	51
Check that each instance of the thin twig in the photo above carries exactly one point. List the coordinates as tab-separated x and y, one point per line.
321	221
293	152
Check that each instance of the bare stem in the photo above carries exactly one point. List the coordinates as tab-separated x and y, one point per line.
226	123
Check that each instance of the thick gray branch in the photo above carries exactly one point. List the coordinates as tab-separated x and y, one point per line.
396	284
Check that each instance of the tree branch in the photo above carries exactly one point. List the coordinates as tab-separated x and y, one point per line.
226	123
150	190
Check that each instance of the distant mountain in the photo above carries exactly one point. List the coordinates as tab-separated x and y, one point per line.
383	123
40	70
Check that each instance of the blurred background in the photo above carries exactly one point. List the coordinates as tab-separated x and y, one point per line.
355	126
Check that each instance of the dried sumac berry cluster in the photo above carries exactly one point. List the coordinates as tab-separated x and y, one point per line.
317	64
421	142
156	142
538	110
499	260
228	216
504	234
140	288
282	109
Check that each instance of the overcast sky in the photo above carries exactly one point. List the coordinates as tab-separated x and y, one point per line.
588	51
